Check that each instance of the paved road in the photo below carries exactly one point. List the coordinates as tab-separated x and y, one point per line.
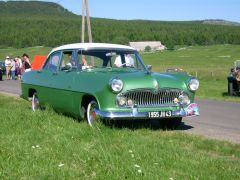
11	87
220	120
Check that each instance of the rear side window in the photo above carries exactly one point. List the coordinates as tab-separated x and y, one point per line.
53	62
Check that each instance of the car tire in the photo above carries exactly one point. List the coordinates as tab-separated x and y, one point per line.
35	102
230	88
91	114
83	112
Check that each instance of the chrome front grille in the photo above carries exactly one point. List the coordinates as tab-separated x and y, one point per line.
153	97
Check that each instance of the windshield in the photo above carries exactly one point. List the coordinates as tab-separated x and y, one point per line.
110	59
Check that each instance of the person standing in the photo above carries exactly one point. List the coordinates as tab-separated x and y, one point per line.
8	66
18	67
1	74
13	69
26	66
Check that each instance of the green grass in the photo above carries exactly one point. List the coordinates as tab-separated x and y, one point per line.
31	51
47	145
211	64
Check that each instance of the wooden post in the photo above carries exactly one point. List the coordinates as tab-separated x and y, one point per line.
88	22
85	8
89	28
83	21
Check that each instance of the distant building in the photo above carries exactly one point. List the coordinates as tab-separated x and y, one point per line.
140	46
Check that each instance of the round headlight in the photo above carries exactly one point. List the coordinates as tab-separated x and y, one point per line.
121	101
116	84
193	84
183	99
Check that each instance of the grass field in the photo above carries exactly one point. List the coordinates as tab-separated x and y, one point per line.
13	52
47	145
211	64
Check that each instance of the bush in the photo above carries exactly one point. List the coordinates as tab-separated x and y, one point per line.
147	49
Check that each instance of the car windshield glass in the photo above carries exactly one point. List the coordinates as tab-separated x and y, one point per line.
110	59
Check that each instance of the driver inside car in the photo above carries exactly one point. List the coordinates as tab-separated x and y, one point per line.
129	62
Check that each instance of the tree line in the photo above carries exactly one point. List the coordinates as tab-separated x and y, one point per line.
62	27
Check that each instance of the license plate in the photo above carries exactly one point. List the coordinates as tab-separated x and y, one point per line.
159	114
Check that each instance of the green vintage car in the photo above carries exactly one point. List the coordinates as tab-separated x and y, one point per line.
96	80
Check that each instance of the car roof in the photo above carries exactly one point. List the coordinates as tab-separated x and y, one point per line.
87	46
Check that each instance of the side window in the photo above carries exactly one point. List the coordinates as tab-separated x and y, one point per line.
53	61
68	61
115	60
88	61
131	61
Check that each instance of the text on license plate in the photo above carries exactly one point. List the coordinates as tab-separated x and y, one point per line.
159	114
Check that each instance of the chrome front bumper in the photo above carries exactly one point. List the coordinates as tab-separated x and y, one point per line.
191	110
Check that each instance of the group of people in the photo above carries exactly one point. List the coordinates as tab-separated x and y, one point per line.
17	66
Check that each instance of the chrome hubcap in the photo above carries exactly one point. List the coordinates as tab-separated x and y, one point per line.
35	103
91	114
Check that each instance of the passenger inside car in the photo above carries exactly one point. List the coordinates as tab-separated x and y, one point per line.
84	60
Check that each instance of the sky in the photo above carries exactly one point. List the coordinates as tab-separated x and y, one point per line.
178	10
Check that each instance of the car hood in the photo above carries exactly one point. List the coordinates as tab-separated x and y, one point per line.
133	79
151	80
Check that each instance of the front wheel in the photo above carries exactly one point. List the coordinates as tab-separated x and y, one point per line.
35	102
91	113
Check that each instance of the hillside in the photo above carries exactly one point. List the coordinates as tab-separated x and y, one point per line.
33	23
32	8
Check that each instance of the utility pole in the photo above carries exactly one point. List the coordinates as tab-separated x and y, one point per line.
83	21
85	9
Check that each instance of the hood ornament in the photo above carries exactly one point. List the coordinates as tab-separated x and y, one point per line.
157	88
